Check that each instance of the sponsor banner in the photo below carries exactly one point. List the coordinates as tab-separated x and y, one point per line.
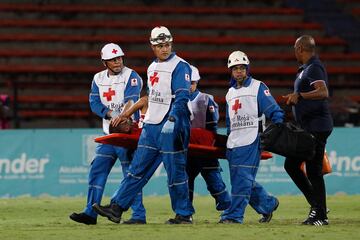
56	162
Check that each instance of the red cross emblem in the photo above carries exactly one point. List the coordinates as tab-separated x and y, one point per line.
109	94
154	79
236	106
114	51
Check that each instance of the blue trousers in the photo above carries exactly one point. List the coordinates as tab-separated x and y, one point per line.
106	156
210	170
154	147
244	163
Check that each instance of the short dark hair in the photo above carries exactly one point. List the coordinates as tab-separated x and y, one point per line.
307	43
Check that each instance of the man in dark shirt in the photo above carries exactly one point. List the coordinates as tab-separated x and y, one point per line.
311	112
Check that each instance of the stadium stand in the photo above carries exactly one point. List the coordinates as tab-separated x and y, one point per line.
50	51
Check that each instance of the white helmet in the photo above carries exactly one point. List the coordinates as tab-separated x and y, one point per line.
195	75
160	35
238	58
110	51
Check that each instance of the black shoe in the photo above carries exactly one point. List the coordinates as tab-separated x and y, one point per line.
228	221
113	212
311	216
267	217
316	217
180	220
83	218
134	221
318	222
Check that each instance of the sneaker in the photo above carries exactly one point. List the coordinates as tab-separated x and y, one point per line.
319	222
267	217
180	220
83	218
113	212
134	221
228	221
316	218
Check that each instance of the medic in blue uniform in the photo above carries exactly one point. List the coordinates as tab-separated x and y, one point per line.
165	134
206	116
112	91
247	100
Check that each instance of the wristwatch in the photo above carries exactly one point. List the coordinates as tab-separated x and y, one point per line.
171	119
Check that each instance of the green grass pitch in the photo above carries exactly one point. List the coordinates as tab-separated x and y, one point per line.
48	218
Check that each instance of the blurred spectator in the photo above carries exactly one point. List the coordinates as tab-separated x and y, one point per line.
345	111
4	111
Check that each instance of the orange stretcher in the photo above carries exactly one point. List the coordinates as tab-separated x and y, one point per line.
203	143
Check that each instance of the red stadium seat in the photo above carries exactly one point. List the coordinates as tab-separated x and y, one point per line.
284	40
60	45
55	114
265	70
88	8
208	55
52	99
40	23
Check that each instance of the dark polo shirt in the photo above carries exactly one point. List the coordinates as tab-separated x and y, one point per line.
312	115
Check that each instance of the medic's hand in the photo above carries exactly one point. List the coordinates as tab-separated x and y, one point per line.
292	98
168	127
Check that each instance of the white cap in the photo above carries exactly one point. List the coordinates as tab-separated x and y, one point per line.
160	35
238	58
110	51
195	75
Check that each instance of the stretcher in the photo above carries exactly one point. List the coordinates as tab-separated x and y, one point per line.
203	143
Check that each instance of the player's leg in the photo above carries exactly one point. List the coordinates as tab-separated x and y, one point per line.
211	172
318	212
263	203
193	169
100	168
174	156
142	167
138	215
243	164
240	195
293	168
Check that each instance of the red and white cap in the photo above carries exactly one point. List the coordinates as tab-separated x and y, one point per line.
110	51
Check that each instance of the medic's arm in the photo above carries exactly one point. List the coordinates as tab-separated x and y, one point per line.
96	105
212	115
268	106
227	120
180	87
